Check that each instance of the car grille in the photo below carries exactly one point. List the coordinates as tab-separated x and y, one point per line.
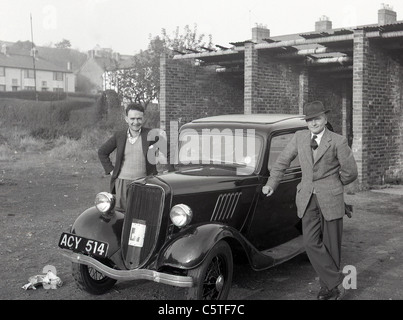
145	206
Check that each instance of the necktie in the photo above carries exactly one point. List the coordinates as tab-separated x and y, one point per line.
314	144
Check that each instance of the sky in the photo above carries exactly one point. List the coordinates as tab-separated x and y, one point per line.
126	25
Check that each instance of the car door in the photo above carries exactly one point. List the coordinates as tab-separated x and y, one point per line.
275	219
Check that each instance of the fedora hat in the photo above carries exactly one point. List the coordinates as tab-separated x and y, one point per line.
314	109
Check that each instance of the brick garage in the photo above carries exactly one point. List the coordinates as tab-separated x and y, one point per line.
357	73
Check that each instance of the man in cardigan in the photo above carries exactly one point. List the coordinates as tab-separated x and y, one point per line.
327	165
131	147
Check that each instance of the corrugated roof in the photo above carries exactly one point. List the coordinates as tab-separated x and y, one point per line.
383	28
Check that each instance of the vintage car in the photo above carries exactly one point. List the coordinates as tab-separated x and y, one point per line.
187	227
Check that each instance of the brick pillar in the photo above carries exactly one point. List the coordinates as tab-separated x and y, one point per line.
251	78
344	106
360	106
303	90
163	92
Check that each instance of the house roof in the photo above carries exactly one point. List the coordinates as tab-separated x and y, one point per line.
126	63
26	62
110	64
105	63
60	57
53	59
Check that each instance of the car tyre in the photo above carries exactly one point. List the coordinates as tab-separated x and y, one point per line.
212	279
91	280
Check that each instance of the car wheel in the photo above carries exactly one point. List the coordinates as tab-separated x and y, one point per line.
91	280
212	279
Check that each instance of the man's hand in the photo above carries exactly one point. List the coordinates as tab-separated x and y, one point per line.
267	190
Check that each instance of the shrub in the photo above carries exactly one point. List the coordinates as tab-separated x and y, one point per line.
31	144
44	133
85	148
31	95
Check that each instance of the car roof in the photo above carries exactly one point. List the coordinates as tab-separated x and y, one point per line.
250	118
260	122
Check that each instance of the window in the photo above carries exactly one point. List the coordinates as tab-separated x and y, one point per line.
277	144
238	149
29	74
2	87
29	88
45	86
14	82
58	76
58	90
14	88
2	71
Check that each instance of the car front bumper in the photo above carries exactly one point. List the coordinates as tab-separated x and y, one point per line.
136	274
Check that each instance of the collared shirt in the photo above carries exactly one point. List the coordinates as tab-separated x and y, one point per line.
132	139
318	136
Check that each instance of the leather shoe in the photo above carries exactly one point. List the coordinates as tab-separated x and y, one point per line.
326	294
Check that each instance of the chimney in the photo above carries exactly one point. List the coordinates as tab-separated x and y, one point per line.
116	56
4	49
259	33
91	54
69	66
324	24
386	15
34	53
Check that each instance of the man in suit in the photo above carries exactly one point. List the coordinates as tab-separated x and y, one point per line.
327	165
132	160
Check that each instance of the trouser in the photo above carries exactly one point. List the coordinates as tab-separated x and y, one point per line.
322	241
121	186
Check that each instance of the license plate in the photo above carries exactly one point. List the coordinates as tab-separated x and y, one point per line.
137	232
83	245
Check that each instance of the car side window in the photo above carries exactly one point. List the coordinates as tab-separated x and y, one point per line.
277	144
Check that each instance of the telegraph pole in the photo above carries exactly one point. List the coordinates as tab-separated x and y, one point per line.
33	58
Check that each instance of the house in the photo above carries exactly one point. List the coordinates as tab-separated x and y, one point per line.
356	71
98	71
24	69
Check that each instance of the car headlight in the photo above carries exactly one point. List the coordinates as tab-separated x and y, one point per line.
104	202
181	215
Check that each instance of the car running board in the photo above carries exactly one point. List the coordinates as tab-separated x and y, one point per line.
271	257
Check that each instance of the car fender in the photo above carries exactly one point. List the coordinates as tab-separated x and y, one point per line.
189	248
92	225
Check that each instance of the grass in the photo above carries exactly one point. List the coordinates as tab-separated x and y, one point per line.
6	152
68	129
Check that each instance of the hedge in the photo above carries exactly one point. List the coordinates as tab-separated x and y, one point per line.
30	95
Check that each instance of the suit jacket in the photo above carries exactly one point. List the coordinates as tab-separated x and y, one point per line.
118	142
333	168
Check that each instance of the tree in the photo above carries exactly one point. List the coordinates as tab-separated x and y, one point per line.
141	82
64	44
189	39
23	46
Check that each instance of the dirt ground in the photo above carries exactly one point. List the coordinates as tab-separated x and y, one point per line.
41	197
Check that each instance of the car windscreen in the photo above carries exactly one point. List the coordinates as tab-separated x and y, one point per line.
232	148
